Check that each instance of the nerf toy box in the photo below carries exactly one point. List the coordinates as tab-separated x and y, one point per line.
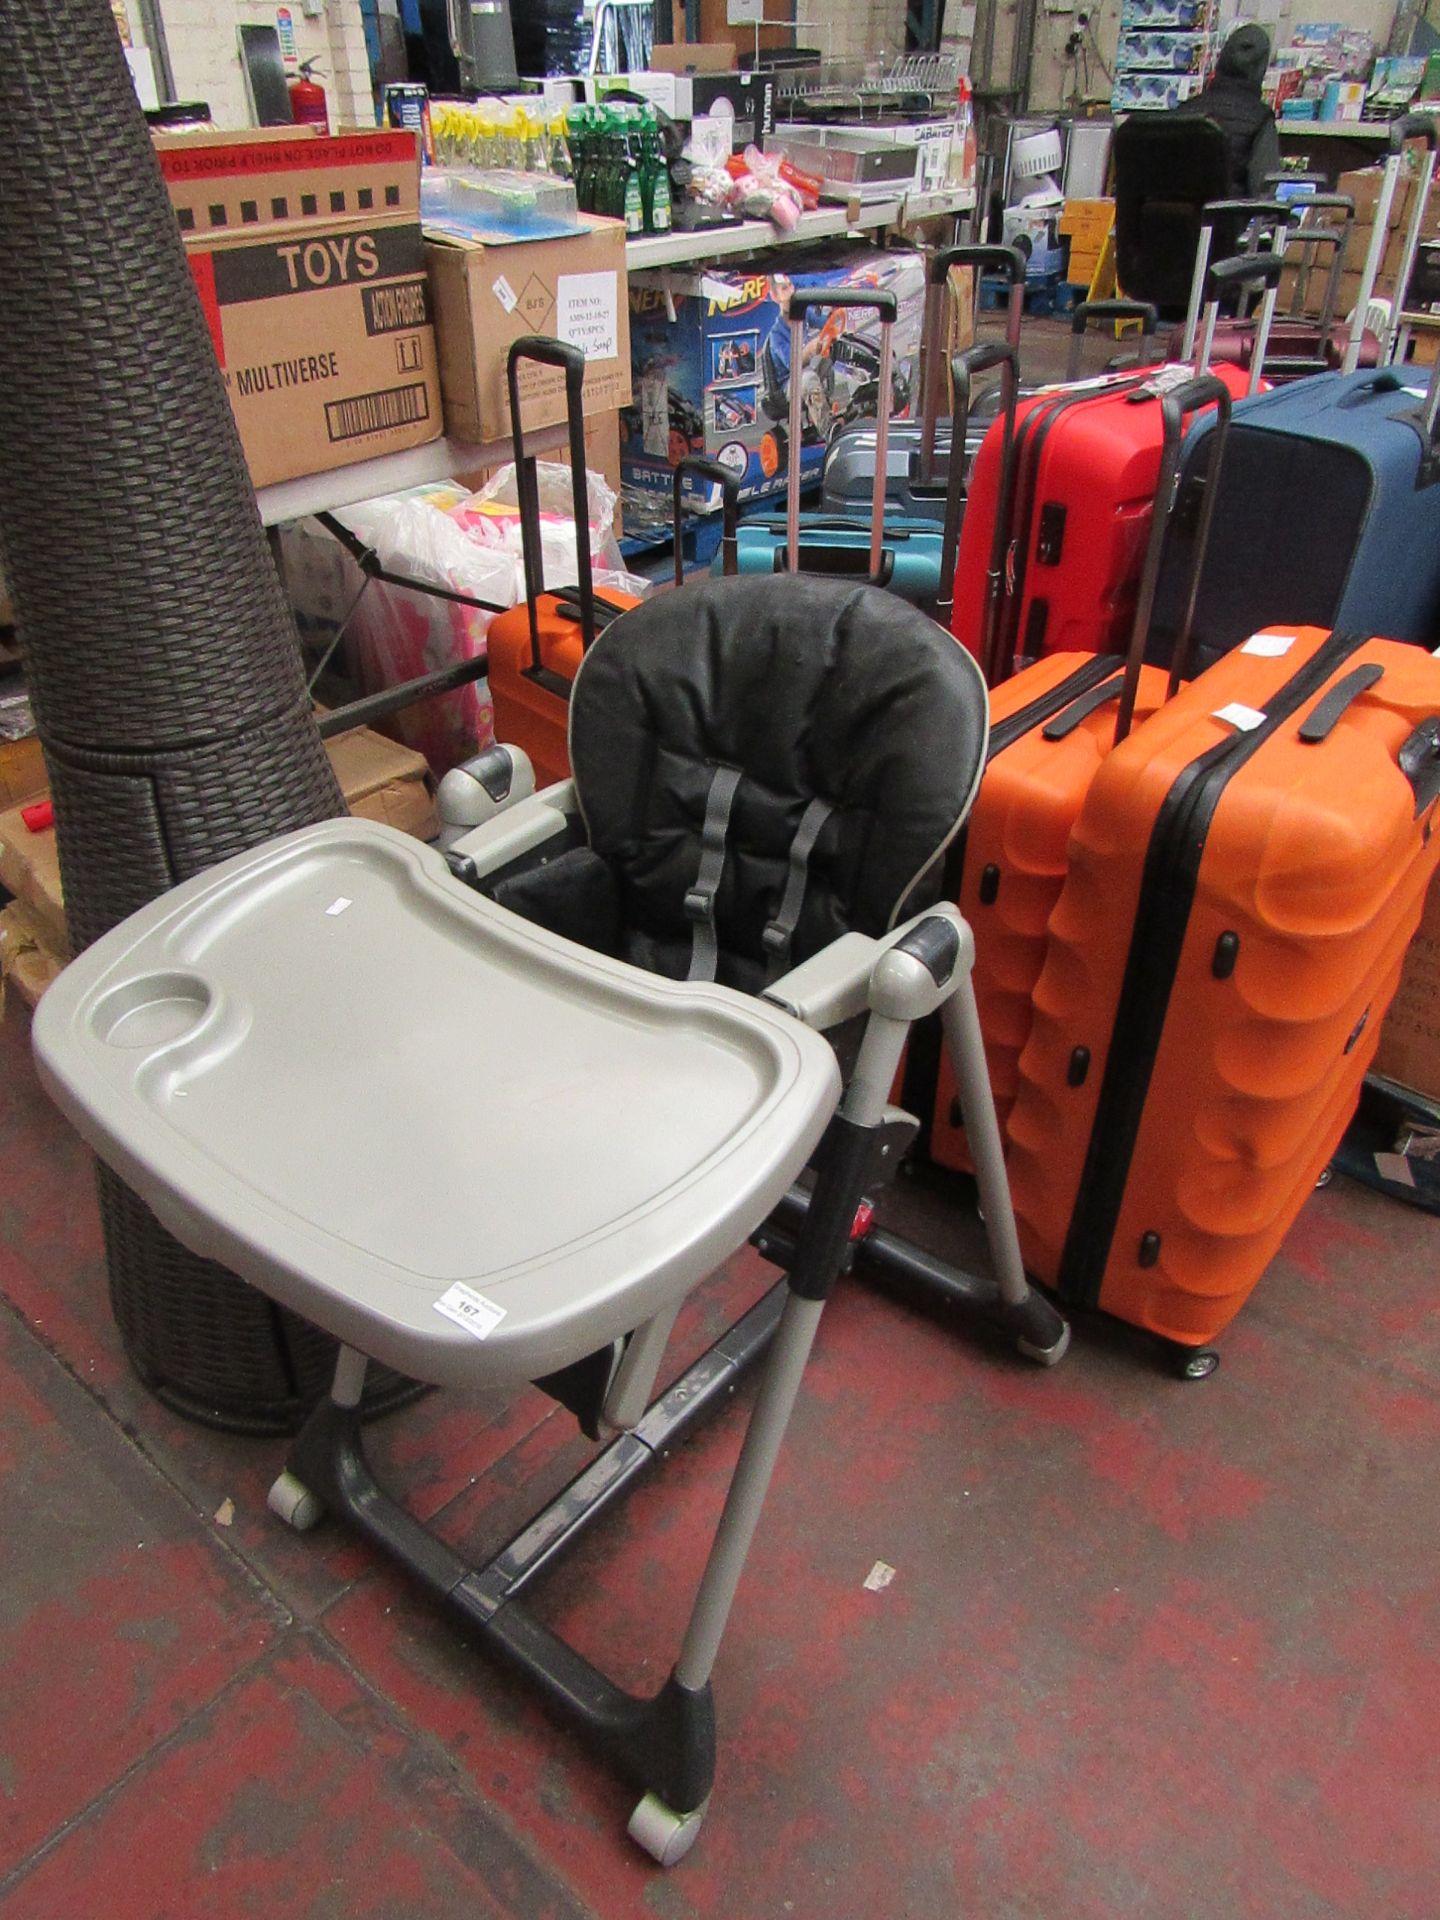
711	365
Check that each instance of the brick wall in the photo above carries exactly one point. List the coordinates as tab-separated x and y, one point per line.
205	59
852	29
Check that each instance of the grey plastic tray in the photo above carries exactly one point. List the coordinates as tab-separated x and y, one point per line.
360	1085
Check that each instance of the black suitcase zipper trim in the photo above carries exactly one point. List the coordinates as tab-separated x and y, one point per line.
921	1082
1162	918
1041	421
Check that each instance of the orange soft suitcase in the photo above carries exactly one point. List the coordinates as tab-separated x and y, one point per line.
1051	727
1244	878
535	650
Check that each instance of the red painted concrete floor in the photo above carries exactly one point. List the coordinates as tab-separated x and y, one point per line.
1150	1650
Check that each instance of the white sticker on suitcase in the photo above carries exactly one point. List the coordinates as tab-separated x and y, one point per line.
1269	646
1241	717
470	1310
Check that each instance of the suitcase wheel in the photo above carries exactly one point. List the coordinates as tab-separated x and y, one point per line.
1196	1363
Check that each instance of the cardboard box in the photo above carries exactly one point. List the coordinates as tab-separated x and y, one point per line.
27	966
693	56
22	769
489	293
310	267
1410	1041
379	779
714	378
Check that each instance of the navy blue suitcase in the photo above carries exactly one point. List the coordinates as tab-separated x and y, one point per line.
1327	515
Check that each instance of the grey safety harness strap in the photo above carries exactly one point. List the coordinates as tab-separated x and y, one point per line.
700	900
780	932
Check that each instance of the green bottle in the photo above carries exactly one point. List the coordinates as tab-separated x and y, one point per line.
632	199
654	178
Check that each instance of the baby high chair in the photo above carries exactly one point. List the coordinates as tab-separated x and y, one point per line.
501	1138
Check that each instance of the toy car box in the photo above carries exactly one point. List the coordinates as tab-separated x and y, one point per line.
710	365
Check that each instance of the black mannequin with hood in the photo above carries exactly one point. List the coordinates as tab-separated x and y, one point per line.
1232	100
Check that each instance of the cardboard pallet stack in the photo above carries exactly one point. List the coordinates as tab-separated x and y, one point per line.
1363	187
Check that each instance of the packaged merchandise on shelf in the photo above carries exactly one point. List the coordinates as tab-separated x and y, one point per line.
307	255
1153	92
1162	52
491	289
878	157
445	536
715	377
747	100
620	166
1183	16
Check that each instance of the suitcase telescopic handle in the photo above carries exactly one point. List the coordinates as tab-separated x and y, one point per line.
1203	390
1412	126
571	362
1270	213
714	475
1008	260
1089	310
963	369
1246	269
1327	203
1262	214
878	300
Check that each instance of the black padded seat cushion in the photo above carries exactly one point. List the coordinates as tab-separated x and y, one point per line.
812	688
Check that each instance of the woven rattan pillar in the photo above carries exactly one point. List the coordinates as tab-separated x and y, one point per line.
160	651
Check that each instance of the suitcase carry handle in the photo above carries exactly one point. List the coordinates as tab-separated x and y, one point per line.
1267	213
571	361
1259	269
1419	761
1089	310
1410	126
1175	407
844	561
714	475
877	300
963	368
1325	715
1011	262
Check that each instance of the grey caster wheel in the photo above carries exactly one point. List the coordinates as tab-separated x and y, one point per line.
293	1502
665	1835
1327	1174
1198	1364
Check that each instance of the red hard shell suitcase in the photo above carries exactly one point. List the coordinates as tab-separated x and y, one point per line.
1075	491
1245	876
1051	727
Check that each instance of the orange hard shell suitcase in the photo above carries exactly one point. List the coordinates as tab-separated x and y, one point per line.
1051	727
534	650
1245	876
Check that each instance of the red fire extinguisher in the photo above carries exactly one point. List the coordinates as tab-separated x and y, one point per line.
307	99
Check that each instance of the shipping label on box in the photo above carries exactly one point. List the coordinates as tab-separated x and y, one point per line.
490	292
325	340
